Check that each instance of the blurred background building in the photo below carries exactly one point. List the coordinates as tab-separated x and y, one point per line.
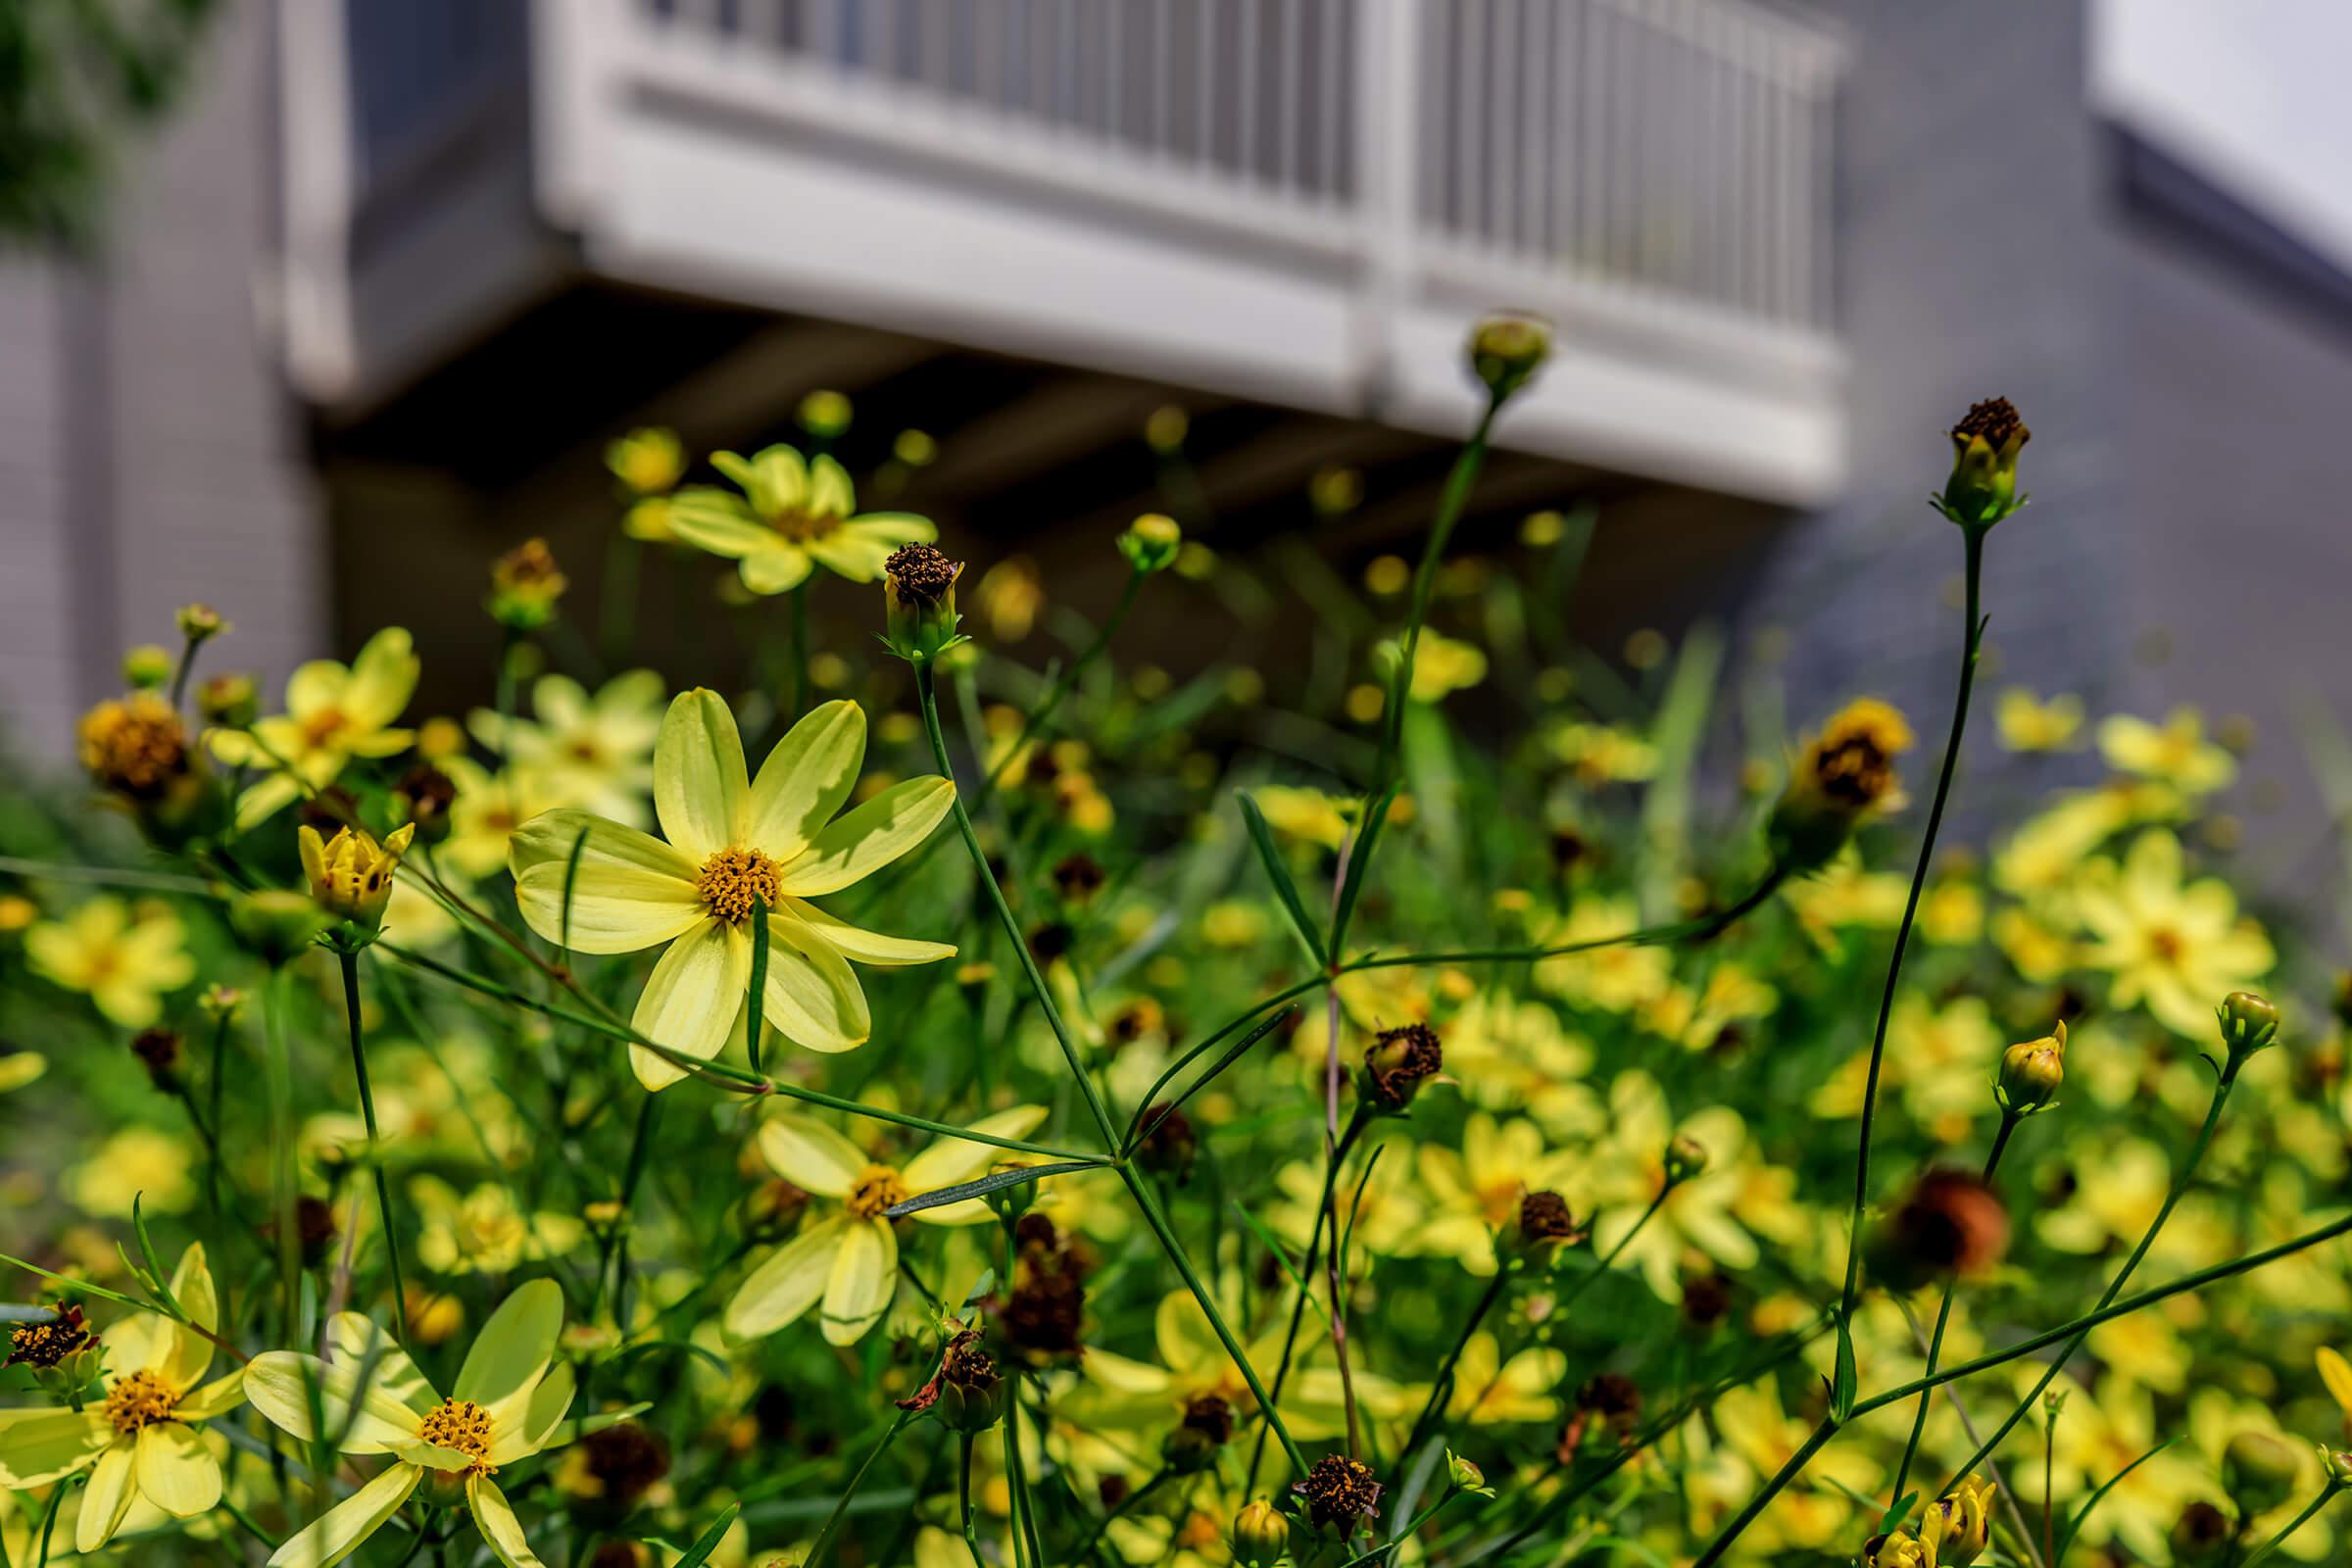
369	306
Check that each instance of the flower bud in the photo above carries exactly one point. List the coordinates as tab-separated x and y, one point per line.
2248	1023
199	621
2031	1074
524	584
1983	487
826	414
351	874
971	1389
1463	1476
1958	1526
1507	348
1260	1535
1397	1064
221	1003
432	1318
147	667
424	797
2259	1472
918	601
1150	541
1685	1158
1165	429
1845	776
646	462
229	702
1540	1228
2203	1536
276	924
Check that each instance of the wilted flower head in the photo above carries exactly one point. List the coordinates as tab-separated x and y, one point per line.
1951	1223
918	596
159	1052
1397	1064
136	747
1339	1494
1983	487
1543	1225
524	584
1844	776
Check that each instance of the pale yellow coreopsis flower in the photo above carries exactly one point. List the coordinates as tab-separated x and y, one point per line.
334	713
125	960
2173	947
792	516
734	844
850	1260
592	750
141	1442
509	1404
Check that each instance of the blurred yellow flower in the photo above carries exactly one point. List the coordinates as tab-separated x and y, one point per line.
594	751
1615	978
1489	1391
1602	753
2028	724
1442	667
142	1165
125	960
1120	1391
334	713
793	514
1476	1192
21	1067
2175	753
2176	949
485	1231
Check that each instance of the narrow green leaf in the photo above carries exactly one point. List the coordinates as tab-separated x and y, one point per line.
1359	863
1233	1053
1279	875
1267	1239
708	1541
83	1286
158	1282
1845	1386
1898	1511
995	1181
755	1005
572	873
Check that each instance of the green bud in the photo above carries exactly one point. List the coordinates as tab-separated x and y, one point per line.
1983	487
824	413
918	603
524	585
196	622
2031	1074
229	702
2248	1023
147	667
1260	1535
971	1389
1463	1476
1685	1158
1507	348
1150	541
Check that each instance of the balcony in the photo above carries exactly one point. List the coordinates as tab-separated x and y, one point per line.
1301	202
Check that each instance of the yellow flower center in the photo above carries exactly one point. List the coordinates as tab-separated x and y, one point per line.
733	881
138	1399
463	1425
876	1188
2166	945
324	725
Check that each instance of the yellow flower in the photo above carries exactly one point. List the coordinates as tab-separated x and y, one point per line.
142	1164
1476	1192
2176	753
850	1260
1123	1393
1624	1175
1442	667
332	714
1842	778
126	961
2336	1373
1491	1391
508	1404
792	516
1304	813
21	1067
595	751
2028	724
1385	1218
489	809
351	874
733	846
1509	1053
648	462
1617	978
2046	850
141	1441
2174	949
1601	753
485	1231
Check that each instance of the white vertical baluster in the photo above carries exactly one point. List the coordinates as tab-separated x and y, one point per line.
1204	139
1289	100
1162	69
1470	36
1245	80
1502	120
1535	99
1333	42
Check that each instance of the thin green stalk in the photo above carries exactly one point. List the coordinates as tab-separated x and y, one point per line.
1944	1315
2172	1198
349	961
1122	1509
1335	1157
1041	711
616	1250
1004	915
1459	481
278	1079
57	1499
963	1502
825	1537
1440	1391
2327	1495
1973	635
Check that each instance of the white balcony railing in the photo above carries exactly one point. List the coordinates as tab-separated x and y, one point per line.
1295	199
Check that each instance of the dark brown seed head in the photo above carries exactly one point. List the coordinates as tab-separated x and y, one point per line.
922	574
1995	420
1340	1494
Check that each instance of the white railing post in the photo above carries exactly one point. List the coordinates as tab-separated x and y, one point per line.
321	191
1389	145
574	47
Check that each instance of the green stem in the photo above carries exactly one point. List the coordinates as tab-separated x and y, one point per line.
1440	1391
615	1252
279	1090
963	1502
1459	482
824	1538
2326	1496
2172	1198
1943	1315
1971	640
349	961
1004	915
1337	1156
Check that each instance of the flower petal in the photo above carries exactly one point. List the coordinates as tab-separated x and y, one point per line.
805	779
217	1398
699	790
861	841
689	1002
631	891
39	1444
810	1155
175	1473
529	1432
866	1275
496	1519
866	947
357	1340
510	1354
339	1531
715	521
786	1284
775	570
382	678
107	1498
189	1354
812	996
279	1384
948	1160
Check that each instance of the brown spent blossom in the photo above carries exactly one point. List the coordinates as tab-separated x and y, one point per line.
1545	1217
1340	1494
1398	1062
1951	1223
922	573
42	1345
625	1460
1995	420
136	745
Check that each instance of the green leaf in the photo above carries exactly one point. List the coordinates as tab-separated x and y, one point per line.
1267	1239
1845	1386
1279	875
1233	1053
157	1280
708	1541
1898	1511
994	1182
1360	861
572	872
755	1003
